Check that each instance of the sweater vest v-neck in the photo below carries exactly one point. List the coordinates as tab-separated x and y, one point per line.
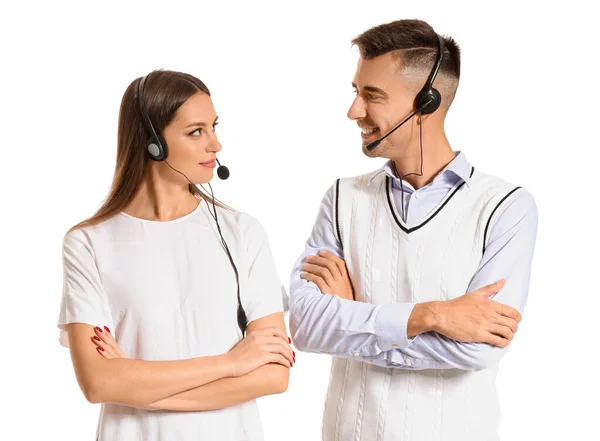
390	262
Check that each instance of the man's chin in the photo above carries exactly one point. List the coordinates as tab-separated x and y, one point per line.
377	152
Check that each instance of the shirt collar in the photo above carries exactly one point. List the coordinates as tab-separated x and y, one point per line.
459	166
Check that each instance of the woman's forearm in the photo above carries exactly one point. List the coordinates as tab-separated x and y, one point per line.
266	380
138	383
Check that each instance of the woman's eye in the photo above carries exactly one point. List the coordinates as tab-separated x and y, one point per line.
197	130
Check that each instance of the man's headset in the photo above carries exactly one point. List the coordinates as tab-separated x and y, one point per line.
158	151
427	100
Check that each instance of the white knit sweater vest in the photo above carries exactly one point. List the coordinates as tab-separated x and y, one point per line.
390	262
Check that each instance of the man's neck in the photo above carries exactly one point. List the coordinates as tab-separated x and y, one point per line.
435	159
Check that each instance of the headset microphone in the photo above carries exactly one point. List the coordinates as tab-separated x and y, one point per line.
222	171
374	144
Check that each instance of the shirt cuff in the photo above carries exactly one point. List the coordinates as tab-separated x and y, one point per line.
391	322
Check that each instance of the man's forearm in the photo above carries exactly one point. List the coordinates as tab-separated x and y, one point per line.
266	380
422	319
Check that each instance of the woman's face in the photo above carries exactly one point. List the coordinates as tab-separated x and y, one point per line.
191	139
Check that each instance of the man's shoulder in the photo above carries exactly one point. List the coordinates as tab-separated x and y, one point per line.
506	192
362	179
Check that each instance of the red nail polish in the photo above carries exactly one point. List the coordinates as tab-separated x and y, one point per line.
294	354
96	338
107	330
289	340
99	348
98	329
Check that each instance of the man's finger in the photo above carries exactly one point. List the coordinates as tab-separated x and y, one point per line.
322	272
507	311
317	281
327	263
507	321
491	289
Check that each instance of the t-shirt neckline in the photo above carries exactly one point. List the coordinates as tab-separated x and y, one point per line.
179	219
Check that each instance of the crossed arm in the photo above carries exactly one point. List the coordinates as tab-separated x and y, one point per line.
470	332
203	383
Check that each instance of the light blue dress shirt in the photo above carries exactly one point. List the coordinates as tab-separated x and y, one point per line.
345	328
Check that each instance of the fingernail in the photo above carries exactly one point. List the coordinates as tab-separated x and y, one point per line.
98	329
289	340
107	330
96	338
99	348
294	354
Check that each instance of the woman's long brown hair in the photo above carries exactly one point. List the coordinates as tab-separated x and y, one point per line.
164	92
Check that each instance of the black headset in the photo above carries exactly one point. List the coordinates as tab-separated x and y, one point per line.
158	151
156	145
429	99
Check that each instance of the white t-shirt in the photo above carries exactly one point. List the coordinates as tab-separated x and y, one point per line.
167	291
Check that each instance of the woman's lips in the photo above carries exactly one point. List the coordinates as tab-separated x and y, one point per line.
209	164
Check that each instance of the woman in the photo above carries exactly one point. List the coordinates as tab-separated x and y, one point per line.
149	307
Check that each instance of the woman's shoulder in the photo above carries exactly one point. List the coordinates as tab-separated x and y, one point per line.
83	236
246	227
240	220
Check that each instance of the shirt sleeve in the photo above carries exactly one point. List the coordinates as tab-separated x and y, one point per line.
332	325
83	297
265	293
509	255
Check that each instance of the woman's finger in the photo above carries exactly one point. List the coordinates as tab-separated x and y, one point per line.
272	332
277	346
110	345
279	359
105	338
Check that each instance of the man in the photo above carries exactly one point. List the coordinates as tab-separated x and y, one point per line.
397	277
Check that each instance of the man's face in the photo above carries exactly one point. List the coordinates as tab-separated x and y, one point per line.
382	101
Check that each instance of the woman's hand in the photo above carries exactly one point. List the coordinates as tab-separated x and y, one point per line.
270	345
106	345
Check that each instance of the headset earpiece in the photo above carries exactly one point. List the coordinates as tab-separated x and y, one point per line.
158	151
156	146
428	100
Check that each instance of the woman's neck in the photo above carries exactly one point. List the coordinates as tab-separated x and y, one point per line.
160	200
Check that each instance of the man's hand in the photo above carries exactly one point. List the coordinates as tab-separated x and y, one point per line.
472	317
329	273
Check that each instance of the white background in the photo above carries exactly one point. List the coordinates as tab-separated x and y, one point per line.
280	76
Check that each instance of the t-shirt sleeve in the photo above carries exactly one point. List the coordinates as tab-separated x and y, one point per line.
83	297
265	292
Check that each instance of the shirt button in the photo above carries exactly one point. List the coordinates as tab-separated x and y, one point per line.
416	195
356	354
395	346
408	361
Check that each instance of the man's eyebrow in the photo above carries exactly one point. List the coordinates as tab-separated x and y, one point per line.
372	89
202	124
